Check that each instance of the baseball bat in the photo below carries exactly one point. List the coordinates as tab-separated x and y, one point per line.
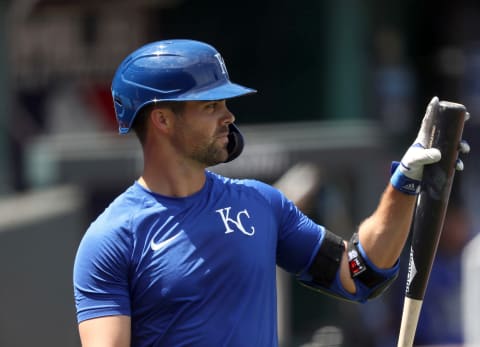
430	210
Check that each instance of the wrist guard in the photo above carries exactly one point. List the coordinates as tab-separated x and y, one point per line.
403	183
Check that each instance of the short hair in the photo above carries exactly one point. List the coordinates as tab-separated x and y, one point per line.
140	122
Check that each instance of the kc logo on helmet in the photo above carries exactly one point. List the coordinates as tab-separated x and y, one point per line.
222	64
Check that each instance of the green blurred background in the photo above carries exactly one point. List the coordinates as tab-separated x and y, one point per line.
342	84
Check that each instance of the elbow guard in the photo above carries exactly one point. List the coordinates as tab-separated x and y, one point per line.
325	266
323	274
370	281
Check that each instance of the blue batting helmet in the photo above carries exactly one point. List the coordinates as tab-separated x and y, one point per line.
170	70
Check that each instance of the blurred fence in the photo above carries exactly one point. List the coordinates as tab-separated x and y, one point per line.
39	233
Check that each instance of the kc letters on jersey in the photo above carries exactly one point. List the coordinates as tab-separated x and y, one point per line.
237	222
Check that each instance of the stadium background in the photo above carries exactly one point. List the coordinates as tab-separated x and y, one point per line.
342	85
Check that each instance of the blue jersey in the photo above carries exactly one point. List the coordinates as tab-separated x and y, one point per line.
194	271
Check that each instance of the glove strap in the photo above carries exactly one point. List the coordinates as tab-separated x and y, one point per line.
403	183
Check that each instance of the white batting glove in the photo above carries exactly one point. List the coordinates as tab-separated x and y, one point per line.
407	174
416	158
464	148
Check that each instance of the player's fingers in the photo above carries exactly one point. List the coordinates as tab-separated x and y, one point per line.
427	122
467	116
428	156
431	104
459	166
464	147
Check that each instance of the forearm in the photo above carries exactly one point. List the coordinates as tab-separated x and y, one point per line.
384	233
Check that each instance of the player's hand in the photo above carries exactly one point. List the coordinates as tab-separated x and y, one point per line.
463	148
409	172
416	158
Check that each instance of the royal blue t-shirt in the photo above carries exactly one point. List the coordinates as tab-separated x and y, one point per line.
194	271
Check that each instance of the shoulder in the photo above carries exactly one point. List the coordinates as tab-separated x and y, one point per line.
113	227
250	187
243	183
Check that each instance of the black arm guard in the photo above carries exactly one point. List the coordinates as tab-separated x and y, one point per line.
327	261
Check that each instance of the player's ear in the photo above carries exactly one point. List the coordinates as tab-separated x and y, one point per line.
161	119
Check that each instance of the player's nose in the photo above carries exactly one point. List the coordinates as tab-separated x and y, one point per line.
228	116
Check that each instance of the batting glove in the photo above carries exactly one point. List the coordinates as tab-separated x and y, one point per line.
464	148
407	174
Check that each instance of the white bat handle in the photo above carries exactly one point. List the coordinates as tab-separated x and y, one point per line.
410	315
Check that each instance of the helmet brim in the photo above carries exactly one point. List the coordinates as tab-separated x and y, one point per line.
224	91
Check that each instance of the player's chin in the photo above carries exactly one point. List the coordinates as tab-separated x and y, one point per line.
217	156
222	155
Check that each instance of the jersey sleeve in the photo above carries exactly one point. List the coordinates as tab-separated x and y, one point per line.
101	271
298	236
298	239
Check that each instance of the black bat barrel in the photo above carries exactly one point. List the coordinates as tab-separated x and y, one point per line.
434	195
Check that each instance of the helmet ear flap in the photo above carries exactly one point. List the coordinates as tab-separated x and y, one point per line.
119	107
235	143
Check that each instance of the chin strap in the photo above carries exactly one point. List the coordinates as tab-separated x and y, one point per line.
235	143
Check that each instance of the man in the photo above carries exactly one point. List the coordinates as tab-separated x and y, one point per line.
185	257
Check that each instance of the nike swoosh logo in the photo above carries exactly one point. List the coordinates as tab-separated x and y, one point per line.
155	246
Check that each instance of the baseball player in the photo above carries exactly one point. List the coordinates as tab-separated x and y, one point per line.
186	257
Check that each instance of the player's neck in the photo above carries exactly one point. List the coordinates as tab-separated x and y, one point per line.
172	180
167	171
